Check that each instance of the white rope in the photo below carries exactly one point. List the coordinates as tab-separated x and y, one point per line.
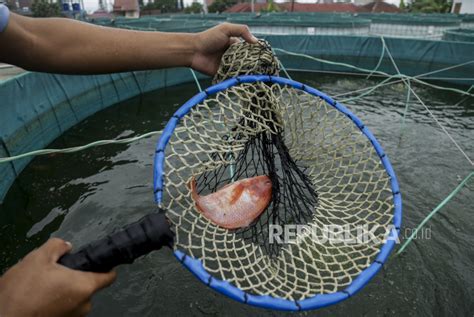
373	75
78	148
368	90
415	78
426	107
441	126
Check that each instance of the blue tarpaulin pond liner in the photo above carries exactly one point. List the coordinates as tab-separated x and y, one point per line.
37	108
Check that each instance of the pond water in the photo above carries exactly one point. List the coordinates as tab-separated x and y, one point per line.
83	196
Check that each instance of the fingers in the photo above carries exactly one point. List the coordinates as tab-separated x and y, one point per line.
234	40
98	281
88	283
105	279
239	30
83	310
55	248
86	309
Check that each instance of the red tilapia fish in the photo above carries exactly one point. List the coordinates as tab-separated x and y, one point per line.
235	205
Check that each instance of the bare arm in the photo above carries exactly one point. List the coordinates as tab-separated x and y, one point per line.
58	45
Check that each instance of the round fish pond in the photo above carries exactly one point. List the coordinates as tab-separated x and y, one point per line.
86	195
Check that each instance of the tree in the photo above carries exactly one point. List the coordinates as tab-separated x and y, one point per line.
11	4
195	7
402	5
273	7
42	8
221	5
431	6
101	5
165	6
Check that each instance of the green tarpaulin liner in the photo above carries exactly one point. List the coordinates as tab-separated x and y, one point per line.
459	35
413	56
37	108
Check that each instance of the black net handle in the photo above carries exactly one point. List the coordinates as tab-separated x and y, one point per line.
137	239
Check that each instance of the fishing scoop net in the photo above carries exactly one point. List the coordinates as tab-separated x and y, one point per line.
324	173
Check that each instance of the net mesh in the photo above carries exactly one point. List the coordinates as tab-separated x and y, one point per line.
324	172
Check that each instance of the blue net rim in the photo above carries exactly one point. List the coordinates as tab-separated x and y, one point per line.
265	301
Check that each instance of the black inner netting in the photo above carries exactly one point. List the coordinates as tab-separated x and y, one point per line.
293	194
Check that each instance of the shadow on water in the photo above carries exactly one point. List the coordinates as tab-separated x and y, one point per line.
83	196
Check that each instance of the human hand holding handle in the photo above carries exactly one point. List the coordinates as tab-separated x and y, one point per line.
39	286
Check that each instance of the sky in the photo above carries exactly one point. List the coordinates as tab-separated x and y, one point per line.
92	5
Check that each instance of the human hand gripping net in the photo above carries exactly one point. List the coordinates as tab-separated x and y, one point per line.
328	174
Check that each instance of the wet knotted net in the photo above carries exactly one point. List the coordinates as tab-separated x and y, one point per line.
324	171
